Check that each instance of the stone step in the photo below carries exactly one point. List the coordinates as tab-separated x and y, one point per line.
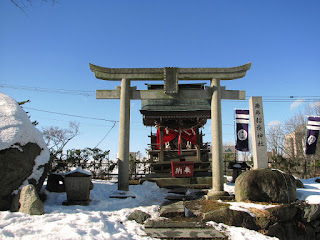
178	190
172	210
204	187
164	223
182	197
184	233
188	191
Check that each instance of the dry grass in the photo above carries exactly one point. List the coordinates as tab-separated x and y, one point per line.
260	212
204	205
134	182
262	203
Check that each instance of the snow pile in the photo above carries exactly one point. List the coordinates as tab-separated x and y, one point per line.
245	207
16	129
311	192
79	170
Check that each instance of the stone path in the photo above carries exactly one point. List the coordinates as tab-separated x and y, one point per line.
185	194
165	229
187	226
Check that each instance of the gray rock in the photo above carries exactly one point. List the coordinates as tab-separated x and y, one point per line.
299	184
139	216
277	231
291	230
16	165
316	225
282	213
30	202
309	212
231	218
265	185
172	210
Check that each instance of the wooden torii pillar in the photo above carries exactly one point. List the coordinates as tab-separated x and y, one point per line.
171	77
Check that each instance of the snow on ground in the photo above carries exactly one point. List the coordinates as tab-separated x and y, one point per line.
105	218
311	192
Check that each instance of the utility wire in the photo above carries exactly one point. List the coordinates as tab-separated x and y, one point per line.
82	123
90	93
71	115
106	135
50	90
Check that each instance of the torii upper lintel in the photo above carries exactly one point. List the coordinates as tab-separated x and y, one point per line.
117	74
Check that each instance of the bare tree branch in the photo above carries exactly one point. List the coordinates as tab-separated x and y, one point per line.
20	7
24	4
57	138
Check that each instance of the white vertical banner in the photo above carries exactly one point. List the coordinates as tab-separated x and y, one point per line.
259	143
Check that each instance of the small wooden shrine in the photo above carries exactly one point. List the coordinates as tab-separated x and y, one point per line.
178	137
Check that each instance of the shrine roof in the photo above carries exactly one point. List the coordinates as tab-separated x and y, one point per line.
180	86
175	105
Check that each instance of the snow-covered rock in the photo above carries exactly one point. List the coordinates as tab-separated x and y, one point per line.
24	156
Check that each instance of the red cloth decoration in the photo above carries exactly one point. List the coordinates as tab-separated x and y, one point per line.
189	135
170	134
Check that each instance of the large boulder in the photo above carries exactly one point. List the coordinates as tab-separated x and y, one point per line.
265	185
24	156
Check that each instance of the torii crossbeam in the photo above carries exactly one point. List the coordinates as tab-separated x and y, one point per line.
171	77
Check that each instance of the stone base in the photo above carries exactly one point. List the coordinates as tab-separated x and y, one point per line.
184	233
83	202
218	195
122	194
166	229
191	182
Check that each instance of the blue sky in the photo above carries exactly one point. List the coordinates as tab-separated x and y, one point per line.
52	46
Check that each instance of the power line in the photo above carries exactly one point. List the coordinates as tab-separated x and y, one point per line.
82	123
50	90
91	93
106	135
71	115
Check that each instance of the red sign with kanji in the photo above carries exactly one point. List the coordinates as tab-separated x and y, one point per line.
182	169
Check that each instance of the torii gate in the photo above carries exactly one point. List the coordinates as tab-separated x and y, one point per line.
171	76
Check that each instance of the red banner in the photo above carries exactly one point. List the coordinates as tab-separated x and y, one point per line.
170	134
